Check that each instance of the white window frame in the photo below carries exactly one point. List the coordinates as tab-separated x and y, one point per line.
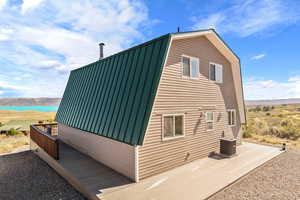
234	112
190	57
163	129
217	65
206	121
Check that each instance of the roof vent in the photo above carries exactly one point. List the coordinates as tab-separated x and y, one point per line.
101	50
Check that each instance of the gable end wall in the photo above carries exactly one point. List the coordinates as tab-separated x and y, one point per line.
179	95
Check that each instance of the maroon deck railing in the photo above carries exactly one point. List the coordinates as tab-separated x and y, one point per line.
45	136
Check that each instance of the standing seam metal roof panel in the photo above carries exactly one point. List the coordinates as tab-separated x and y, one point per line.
113	97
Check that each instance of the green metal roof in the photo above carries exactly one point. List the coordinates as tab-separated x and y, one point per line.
113	97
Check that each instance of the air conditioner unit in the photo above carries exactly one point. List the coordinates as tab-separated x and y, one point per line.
228	147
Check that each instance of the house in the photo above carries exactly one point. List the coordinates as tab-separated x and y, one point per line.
155	106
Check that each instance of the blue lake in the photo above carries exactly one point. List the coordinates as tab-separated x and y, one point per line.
35	108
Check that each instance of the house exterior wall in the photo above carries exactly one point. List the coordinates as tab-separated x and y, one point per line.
116	155
192	98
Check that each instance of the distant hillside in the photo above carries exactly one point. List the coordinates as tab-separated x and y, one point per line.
29	101
272	102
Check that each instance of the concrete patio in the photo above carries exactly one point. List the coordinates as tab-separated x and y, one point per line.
197	180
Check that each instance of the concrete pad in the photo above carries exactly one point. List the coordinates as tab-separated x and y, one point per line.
88	176
196	180
199	179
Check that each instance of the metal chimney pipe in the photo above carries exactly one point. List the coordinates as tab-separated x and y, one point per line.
101	50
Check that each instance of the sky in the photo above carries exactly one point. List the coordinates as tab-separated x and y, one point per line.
41	41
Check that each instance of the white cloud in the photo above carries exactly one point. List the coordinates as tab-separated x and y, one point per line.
212	21
7	85
270	89
49	38
257	57
247	17
5	34
30	5
2	4
1	92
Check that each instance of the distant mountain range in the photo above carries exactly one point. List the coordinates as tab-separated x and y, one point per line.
30	101
272	102
56	101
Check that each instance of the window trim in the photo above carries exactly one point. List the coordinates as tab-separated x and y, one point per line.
190	57
163	130
213	120
209	66
234	111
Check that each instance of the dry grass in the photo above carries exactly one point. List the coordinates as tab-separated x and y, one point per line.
9	143
20	120
8	115
267	139
278	125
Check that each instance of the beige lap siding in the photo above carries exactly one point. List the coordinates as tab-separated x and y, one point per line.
116	155
180	95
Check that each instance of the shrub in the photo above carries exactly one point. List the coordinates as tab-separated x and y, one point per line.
247	131
260	123
274	130
12	132
289	129
266	108
286	122
268	114
257	108
289	132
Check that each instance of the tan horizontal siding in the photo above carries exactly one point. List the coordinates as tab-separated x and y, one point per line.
176	94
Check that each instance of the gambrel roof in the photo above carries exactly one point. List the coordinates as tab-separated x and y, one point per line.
113	97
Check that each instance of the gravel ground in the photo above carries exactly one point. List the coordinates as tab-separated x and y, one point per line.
24	176
277	179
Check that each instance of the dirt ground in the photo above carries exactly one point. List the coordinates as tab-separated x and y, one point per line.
277	179
24	176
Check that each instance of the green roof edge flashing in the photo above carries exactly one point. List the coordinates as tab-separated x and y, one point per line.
154	92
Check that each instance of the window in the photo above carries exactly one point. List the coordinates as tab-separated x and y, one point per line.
173	126
209	120
190	67
231	117
216	72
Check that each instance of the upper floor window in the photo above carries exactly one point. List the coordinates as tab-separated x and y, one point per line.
209	118
231	117
173	126
216	72
190	67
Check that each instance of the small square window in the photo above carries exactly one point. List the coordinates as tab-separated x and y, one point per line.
173	126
